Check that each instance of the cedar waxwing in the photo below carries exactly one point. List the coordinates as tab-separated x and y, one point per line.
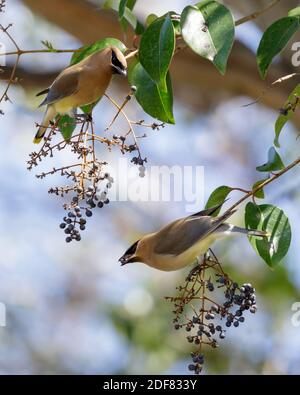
181	242
81	84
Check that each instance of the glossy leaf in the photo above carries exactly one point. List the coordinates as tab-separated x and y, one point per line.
271	219
122	6
218	196
128	15
294	12
274	40
155	102
274	162
87	50
122	9
208	29
67	125
286	113
260	193
177	27
150	19
157	49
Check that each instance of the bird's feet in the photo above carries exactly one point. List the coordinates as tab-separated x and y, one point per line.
84	117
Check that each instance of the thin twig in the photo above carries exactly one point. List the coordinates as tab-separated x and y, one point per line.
120	108
256	14
30	51
263	184
278	81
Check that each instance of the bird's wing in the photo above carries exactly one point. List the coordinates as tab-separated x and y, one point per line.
43	92
66	84
208	211
182	234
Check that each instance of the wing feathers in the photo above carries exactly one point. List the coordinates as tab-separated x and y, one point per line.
182	234
66	84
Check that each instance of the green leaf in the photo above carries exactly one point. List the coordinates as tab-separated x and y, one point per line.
260	193
287	113
151	18
67	125
157	49
274	162
271	219
217	197
122	8
177	27
128	15
208	29
274	40
156	102
87	50
294	12
48	45
88	108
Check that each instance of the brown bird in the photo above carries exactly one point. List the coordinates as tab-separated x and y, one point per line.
181	242
81	84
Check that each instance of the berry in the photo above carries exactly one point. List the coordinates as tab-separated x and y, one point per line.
88	213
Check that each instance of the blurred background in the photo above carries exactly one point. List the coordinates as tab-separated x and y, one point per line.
71	309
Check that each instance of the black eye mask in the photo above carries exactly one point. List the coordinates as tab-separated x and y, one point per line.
131	250
115	62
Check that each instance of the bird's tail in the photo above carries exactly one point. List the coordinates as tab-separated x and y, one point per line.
249	232
49	115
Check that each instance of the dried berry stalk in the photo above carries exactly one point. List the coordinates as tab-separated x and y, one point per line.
210	302
88	179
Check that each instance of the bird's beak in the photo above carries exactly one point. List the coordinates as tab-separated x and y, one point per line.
123	72
123	260
128	258
119	70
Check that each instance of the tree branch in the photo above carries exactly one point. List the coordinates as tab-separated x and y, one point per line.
256	14
263	184
196	82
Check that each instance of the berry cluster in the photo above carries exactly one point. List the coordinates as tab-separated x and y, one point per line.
90	182
91	198
210	320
